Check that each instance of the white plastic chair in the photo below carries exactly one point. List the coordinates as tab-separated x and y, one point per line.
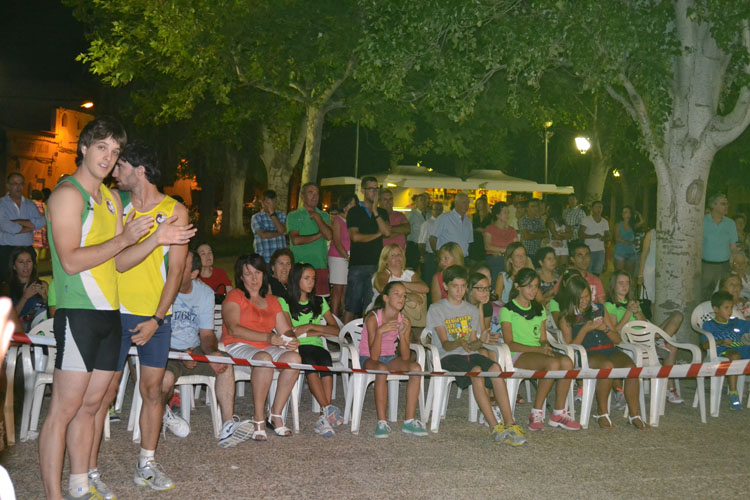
438	392
704	312
218	321
41	380
643	334
40	374
185	383
358	382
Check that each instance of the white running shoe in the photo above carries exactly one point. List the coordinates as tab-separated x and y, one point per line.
323	427
153	476
176	425
234	432
95	481
673	397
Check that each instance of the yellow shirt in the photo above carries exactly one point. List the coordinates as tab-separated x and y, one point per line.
140	287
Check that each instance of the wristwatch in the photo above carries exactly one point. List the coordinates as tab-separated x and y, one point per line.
159	321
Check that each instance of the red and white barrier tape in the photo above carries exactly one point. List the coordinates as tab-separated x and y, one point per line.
739	367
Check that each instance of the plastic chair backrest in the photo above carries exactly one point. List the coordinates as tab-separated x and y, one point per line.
43	328
338	322
426	334
353	330
218	321
702	313
643	333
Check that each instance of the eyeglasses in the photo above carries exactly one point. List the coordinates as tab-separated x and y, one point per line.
481	288
370	189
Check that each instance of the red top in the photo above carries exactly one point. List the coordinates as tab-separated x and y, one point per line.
396	219
501	237
218	281
252	317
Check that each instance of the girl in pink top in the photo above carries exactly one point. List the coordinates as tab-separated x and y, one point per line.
338	255
377	351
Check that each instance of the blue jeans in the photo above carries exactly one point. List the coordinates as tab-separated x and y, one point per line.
359	288
497	265
597	262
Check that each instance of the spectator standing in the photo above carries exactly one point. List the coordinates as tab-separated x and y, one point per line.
719	240
338	253
40	235
455	226
514	204
559	234
367	224
595	231
282	261
625	251
497	236
573	216
532	228
480	220
269	227
309	233
19	218
417	217
400	226
426	248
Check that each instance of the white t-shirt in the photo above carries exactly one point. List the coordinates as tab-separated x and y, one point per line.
191	313
407	275
593	227
425	231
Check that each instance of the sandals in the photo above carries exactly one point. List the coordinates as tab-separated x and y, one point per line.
643	425
605	416
281	430
258	434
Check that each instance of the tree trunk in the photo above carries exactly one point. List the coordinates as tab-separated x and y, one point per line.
234	193
207	182
598	171
313	137
279	156
679	239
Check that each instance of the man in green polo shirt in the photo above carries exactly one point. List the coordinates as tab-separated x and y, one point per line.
310	231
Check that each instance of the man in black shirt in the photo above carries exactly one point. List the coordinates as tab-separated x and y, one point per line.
367	225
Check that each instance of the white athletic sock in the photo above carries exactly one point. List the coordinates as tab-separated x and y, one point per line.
95	469
78	484
558	412
145	457
536	411
407	421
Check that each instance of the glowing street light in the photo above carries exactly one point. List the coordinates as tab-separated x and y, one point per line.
583	144
547	135
88	104
615	173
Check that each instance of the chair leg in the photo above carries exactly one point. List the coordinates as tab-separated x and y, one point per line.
348	393
359	386
587	400
8	409
186	401
437	388
658	392
717	384
393	387
700	391
512	384
29	380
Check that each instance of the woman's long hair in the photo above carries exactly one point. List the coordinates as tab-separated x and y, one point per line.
295	292
379	301
574	288
524	277
612	287
258	263
474	278
455	250
509	253
15	285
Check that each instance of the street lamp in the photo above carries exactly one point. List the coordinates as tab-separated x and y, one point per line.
583	144
547	135
87	105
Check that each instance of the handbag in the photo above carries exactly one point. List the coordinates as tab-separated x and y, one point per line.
415	309
646	305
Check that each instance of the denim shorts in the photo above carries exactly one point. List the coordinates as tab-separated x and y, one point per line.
626	258
383	359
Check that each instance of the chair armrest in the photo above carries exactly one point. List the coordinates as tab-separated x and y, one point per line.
504	359
566	349
419	350
711	351
353	354
694	349
432	354
636	352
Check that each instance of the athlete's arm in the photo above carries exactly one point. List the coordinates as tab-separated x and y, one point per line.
170	232
177	261
65	209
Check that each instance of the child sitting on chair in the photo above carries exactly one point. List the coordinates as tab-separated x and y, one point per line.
728	332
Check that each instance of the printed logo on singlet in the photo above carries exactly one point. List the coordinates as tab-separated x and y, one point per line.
161	217
110	206
459	327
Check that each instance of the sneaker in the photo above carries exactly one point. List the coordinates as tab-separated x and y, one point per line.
414	427
536	421
496	412
513	435
620	402
153	476
563	421
176	425
96	483
382	430
673	397
89	495
579	395
335	418
113	416
234	432
734	401
323	427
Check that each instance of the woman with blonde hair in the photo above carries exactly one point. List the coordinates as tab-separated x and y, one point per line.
391	267
448	255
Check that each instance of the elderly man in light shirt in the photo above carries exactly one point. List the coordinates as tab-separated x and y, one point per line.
455	226
19	218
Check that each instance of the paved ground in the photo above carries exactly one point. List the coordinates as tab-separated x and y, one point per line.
681	459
